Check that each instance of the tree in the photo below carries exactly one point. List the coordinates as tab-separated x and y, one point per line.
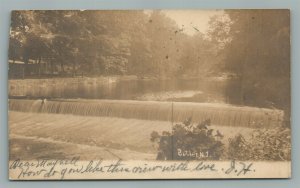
258	52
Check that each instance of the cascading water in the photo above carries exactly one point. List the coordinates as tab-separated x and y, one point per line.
220	114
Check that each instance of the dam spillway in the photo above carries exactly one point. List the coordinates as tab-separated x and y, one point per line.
219	114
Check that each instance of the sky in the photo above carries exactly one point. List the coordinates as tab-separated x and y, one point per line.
191	19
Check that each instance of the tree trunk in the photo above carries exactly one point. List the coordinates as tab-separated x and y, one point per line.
62	67
52	66
74	68
39	66
25	69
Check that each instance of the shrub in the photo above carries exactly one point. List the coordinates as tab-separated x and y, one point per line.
189	141
264	144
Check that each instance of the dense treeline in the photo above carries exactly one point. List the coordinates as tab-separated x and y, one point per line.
107	42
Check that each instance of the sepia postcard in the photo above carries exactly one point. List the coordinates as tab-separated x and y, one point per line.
149	94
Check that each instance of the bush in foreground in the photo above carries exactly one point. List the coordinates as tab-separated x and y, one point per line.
189	141
264	144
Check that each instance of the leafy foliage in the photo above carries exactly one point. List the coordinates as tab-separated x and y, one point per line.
264	144
257	51
104	43
189	141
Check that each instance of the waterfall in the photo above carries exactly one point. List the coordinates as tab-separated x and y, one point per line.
220	114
